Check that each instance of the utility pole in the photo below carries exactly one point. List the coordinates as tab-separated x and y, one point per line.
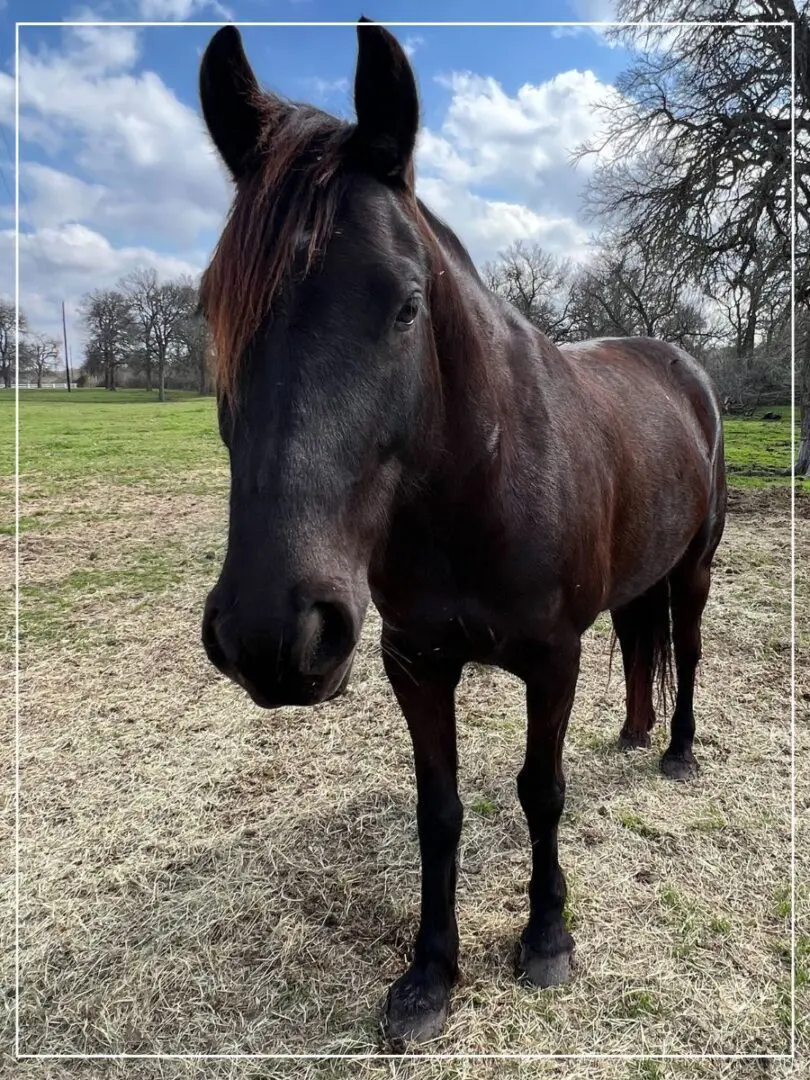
67	360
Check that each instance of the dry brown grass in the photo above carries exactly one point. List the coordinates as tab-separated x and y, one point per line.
200	876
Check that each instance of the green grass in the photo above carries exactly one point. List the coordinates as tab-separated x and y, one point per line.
92	433
758	451
112	592
636	824
638	1003
48	612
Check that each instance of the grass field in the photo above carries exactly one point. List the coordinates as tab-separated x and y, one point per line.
200	876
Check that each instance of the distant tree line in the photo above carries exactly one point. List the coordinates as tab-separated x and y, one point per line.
741	336
146	333
39	354
696	168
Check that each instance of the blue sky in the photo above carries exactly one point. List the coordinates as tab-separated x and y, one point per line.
117	171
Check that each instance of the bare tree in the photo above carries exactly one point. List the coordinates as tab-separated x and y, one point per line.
160	308
626	292
752	302
697	150
141	288
536	283
37	354
8	329
195	342
107	317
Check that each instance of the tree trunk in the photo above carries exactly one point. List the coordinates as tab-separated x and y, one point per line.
39	380
802	466
161	376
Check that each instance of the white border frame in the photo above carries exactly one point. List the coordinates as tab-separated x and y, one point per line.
417	1056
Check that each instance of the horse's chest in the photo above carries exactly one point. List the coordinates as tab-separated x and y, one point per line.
454	597
442	619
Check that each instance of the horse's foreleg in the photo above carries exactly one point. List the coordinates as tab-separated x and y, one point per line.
417	1002
546	947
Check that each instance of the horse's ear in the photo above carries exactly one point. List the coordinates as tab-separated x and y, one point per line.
386	102
230	99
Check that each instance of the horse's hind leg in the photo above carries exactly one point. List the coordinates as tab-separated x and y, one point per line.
641	629
689	591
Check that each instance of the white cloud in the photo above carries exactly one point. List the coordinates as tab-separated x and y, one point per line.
135	176
179	10
144	152
56	197
141	168
66	262
324	90
6	99
487	226
99	49
520	144
525	136
594	10
411	43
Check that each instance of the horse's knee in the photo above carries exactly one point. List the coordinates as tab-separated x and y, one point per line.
439	820
541	799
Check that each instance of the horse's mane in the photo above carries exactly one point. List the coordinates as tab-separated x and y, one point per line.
287	201
281	219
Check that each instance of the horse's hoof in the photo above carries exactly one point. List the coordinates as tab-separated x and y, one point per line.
545	971
679	766
631	741
415	1011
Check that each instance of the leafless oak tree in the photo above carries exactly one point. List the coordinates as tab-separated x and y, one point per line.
696	159
37	355
8	330
160	308
107	317
536	283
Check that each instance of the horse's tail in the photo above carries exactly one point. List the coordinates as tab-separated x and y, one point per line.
653	628
661	635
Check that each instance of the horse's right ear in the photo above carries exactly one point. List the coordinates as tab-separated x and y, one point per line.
230	99
386	102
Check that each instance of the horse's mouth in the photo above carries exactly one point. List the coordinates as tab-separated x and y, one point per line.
304	692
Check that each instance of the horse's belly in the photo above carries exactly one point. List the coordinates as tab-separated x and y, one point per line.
654	550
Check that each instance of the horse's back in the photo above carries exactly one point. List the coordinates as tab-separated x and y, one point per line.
650	383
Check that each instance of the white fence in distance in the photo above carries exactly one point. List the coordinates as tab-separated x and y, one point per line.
33	386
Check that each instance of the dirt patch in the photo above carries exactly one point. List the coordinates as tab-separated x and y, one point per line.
764	502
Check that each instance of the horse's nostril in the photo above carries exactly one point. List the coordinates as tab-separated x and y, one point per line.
327	636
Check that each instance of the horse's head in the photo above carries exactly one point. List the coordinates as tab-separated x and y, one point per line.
317	302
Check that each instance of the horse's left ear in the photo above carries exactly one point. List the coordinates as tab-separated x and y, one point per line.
386	102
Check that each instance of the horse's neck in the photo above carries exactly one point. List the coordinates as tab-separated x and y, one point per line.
488	374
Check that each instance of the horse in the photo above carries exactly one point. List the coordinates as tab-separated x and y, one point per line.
400	435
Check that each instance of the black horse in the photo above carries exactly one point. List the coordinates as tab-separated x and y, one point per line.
397	432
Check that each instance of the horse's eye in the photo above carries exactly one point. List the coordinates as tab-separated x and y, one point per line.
408	312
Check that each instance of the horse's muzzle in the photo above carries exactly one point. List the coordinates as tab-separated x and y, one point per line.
301	658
